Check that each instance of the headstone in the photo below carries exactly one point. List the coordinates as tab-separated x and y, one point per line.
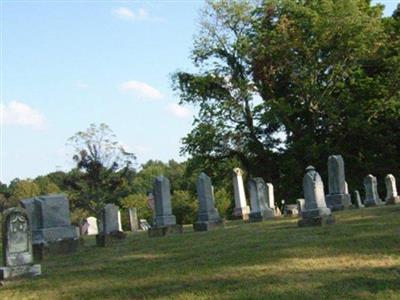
164	221
17	245
338	198
52	231
133	219
300	205
270	196
144	225
119	221
108	226
358	203
391	190
241	210
92	226
371	191
291	210
208	217
315	211
258	201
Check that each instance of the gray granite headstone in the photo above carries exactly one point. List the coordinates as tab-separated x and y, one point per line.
315	211
358	203
258	201
109	222
241	210
17	245
50	223
391	190
338	197
133	219
208	216
371	191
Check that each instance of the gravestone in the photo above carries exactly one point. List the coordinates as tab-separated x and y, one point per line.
271	199
92	228
208	217
241	210
52	232
108	226
371	191
133	219
358	203
300	205
144	225
258	201
391	190
291	210
338	197
315	211
164	221
119	221
17	245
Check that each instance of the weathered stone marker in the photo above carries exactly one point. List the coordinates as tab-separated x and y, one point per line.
391	190
338	197
358	203
241	210
164	221
258	201
291	210
92	228
300	205
208	217
17	245
315	211
371	191
109	229
133	219
52	231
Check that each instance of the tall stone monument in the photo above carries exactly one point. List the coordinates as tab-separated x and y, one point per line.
133	219
315	211
208	217
258	201
357	197
371	191
52	231
338	197
241	210
17	245
164	221
391	190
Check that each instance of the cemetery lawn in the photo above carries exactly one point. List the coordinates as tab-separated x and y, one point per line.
357	258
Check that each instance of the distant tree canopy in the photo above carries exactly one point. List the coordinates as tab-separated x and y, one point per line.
283	84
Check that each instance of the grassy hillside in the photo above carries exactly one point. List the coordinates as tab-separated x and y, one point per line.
357	258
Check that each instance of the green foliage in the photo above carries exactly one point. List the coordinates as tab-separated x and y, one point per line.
46	186
140	202
224	203
21	189
184	207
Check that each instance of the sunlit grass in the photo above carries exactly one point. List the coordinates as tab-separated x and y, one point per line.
357	258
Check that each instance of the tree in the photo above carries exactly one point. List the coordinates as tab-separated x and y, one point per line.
104	170
21	189
46	186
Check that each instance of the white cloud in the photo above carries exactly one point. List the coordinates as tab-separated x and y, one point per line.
179	111
141	90
139	14
18	113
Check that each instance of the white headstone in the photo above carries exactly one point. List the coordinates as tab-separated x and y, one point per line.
241	210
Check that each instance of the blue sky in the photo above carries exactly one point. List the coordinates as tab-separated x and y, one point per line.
68	64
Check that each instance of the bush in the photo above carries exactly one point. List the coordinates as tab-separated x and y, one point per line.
140	202
224	202
184	207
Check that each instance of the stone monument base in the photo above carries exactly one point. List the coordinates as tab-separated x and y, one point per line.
7	273
393	200
165	230
241	213
291	210
208	225
338	201
103	240
43	250
372	203
317	221
262	215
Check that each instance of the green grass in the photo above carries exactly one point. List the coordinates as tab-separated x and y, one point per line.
357	258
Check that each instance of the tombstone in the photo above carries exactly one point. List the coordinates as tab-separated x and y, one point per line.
17	245
338	198
52	232
119	221
133	219
109	226
164	221
241	210
208	217
291	210
258	201
300	205
144	225
391	190
358	203
315	212
371	191
92	228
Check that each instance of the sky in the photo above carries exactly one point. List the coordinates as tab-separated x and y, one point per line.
67	64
